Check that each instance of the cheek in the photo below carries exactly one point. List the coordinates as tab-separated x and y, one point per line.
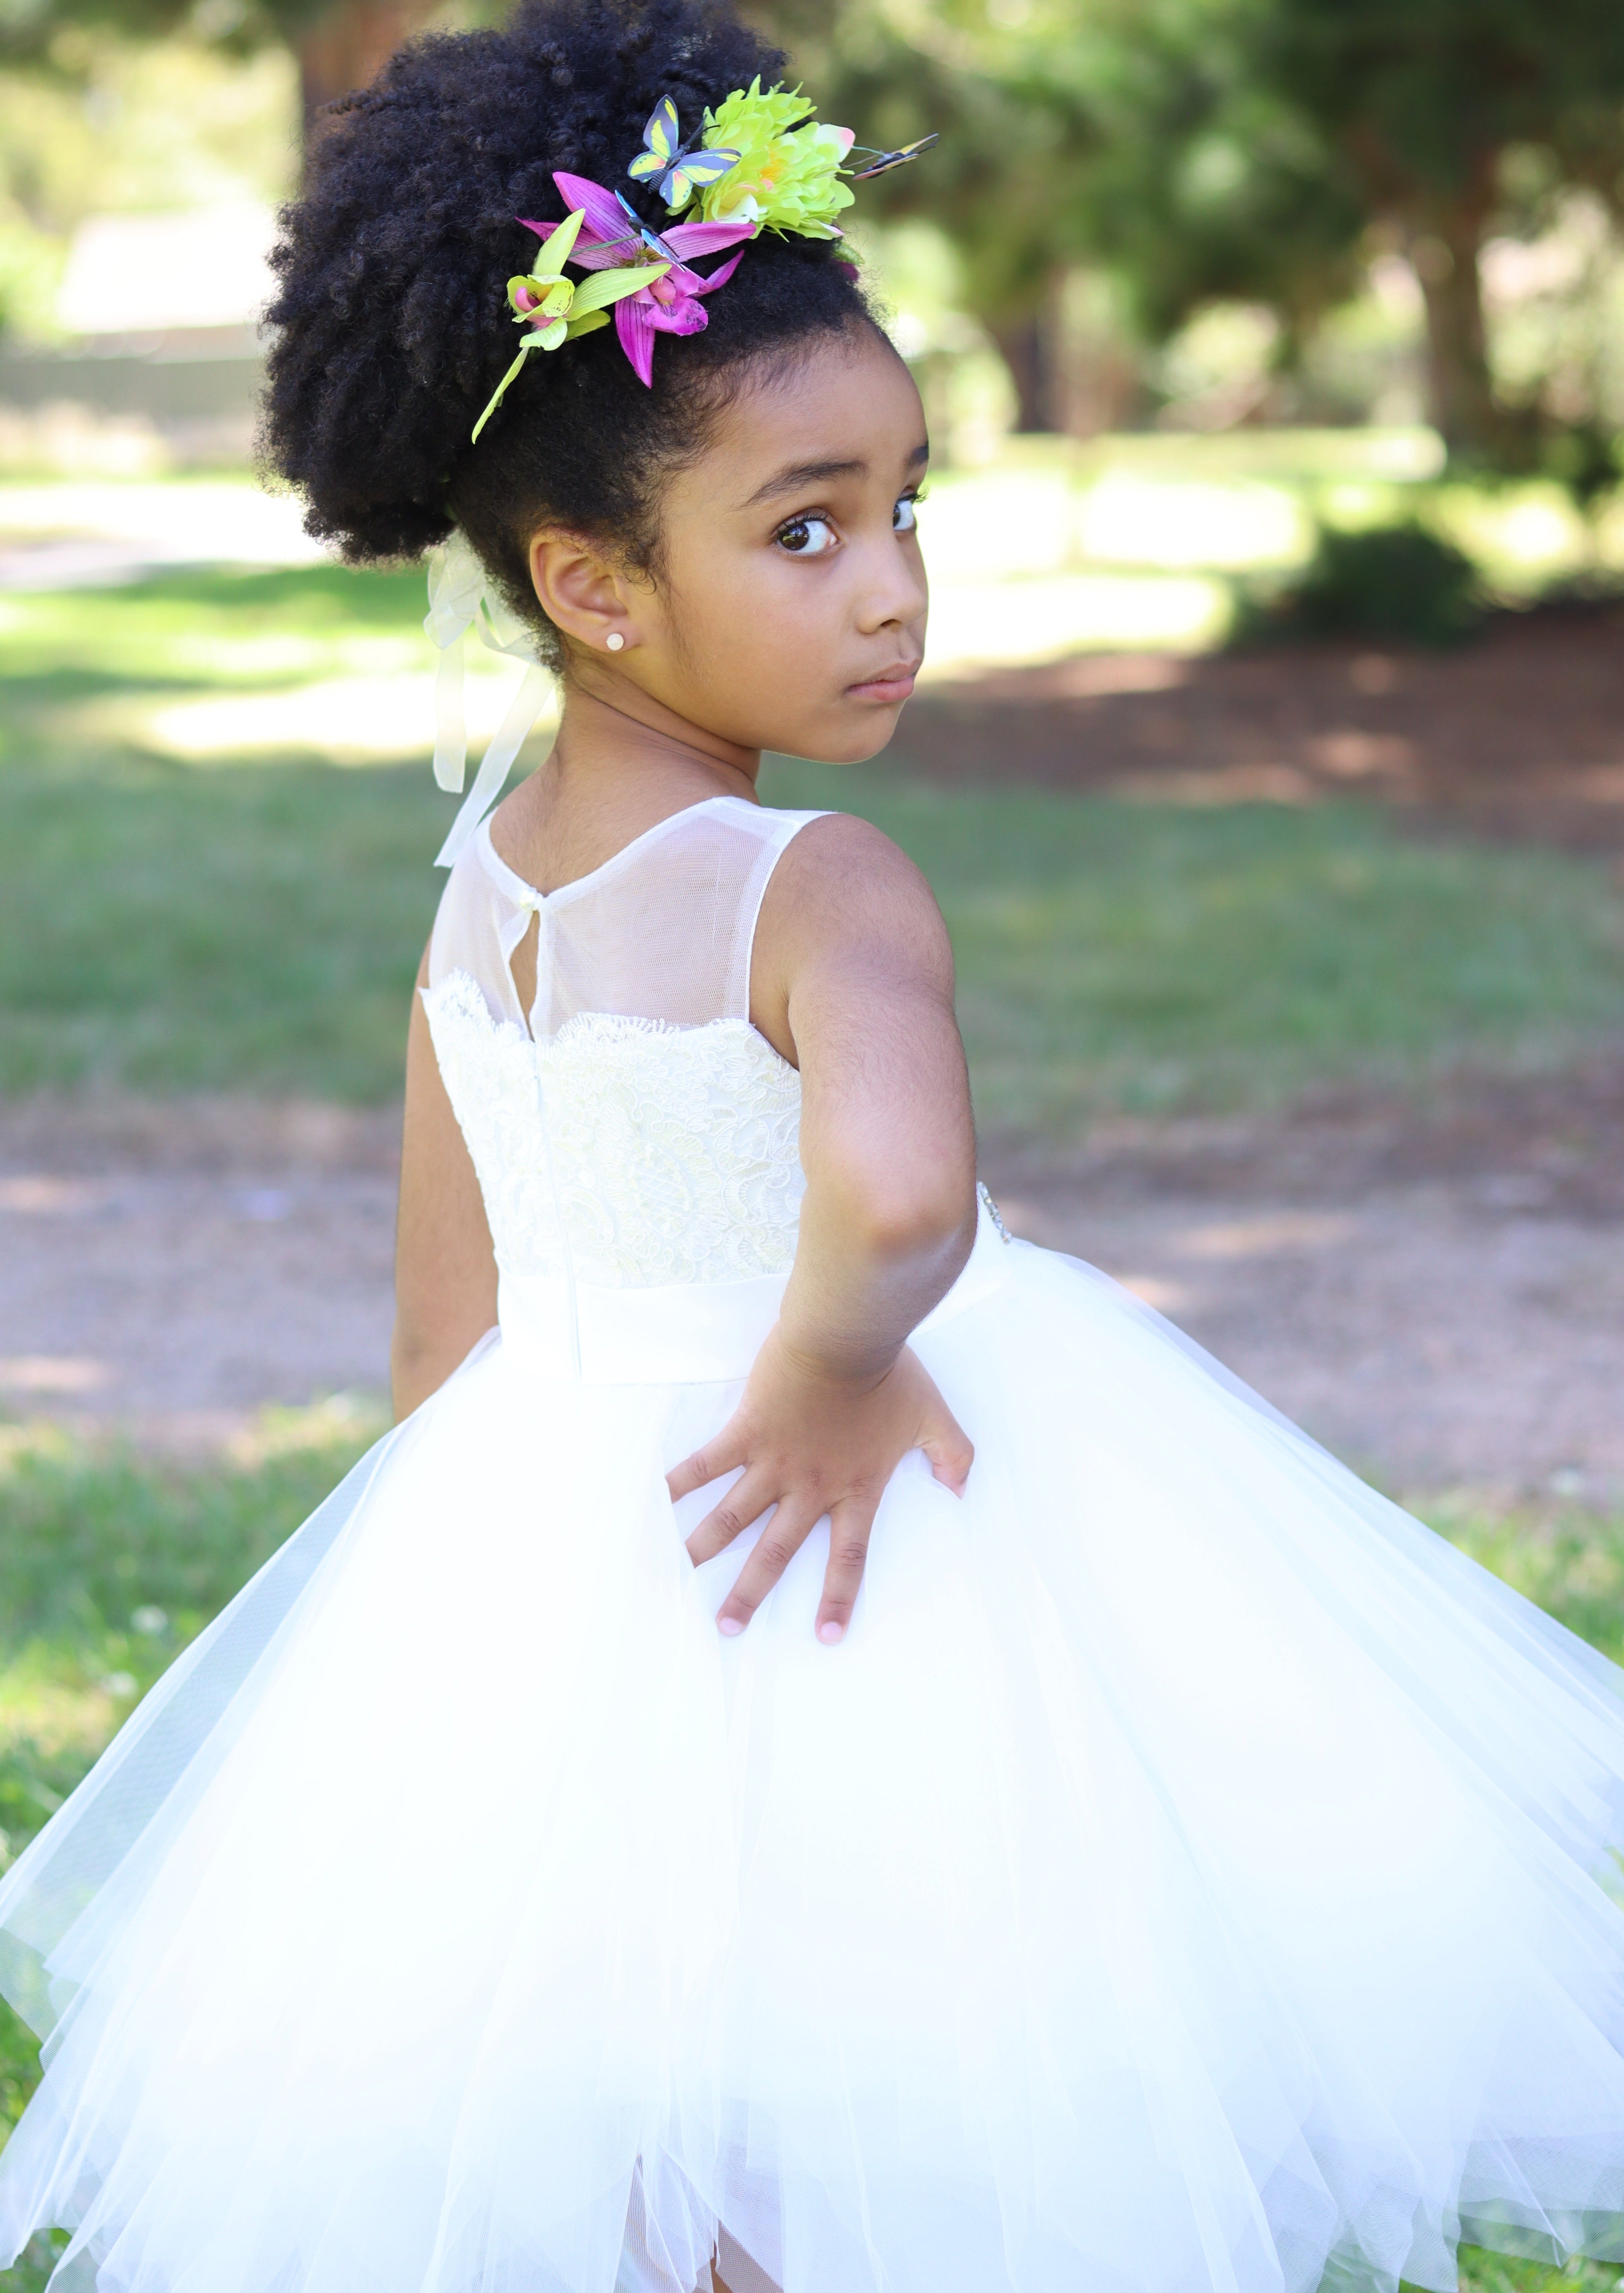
758	613
791	642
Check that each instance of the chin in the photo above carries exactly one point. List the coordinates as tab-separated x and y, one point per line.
857	744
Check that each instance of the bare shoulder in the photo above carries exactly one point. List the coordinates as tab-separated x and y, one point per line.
843	885
846	915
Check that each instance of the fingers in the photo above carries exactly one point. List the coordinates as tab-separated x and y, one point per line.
850	1524
718	1457
745	1502
949	1448
776	1547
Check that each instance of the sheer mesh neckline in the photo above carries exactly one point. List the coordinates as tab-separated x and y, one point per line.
662	929
526	894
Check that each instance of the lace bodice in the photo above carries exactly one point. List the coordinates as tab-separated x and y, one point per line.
633	1129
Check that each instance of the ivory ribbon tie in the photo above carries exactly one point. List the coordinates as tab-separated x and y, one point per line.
460	597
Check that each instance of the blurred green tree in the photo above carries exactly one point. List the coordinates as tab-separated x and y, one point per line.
1421	104
339	44
1198	149
1227	149
1005	181
1133	135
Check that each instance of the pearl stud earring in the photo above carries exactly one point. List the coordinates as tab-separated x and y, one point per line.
614	640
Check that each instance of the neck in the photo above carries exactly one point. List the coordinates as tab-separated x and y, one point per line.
613	732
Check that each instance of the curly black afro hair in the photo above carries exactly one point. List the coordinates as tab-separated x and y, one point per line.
392	326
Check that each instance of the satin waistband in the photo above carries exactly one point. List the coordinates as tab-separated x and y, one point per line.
685	1333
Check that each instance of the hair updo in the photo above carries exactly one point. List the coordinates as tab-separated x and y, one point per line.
392	324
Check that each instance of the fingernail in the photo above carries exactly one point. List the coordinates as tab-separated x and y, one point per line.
731	1625
829	1631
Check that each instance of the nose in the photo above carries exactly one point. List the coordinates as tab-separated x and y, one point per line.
895	592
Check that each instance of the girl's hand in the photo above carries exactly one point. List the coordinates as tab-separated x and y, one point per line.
812	1443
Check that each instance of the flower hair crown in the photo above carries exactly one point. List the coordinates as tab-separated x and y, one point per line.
760	163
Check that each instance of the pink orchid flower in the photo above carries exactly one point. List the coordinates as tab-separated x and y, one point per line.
669	304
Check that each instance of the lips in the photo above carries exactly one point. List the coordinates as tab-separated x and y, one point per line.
893	682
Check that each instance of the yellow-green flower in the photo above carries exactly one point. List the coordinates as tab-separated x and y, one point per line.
787	175
556	309
542	300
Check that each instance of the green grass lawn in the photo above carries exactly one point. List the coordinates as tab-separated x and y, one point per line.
1147	959
167	926
254	924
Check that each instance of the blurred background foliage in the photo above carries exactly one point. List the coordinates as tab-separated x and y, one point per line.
1195	213
1305	176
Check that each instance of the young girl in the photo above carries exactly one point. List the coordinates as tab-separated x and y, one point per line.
1026	1821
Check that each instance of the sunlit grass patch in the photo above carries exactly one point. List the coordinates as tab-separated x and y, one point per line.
208	631
32	2274
1041	617
1243	503
362	719
211	668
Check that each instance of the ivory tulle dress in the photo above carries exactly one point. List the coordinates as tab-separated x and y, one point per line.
1190	1876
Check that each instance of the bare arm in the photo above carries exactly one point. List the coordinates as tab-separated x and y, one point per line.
444	1268
854	975
855	947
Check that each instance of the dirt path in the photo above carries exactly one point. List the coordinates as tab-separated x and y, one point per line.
1438	1295
169	1269
1440	1299
1518	735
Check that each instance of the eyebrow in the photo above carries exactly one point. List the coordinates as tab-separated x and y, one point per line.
798	475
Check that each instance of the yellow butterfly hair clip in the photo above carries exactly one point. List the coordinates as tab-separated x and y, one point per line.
676	170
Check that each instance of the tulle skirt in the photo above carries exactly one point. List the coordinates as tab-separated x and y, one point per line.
1190	1876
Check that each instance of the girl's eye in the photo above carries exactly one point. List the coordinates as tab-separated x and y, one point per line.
903	518
805	537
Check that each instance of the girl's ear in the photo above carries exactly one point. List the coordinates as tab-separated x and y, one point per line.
581	592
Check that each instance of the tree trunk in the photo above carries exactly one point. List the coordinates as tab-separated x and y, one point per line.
346	48
1026	348
1460	394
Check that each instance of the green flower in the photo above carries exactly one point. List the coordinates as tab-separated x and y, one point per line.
556	309
787	176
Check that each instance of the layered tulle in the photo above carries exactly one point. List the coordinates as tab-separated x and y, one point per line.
1189	1873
